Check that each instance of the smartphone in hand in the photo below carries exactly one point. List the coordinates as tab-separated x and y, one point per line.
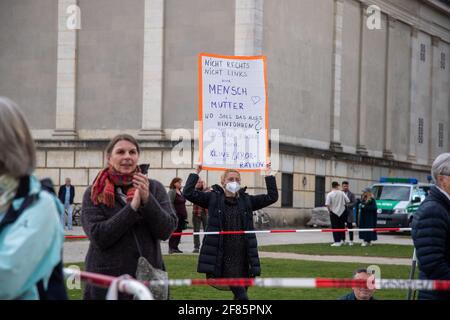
144	168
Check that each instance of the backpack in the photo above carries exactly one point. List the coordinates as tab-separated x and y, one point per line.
56	289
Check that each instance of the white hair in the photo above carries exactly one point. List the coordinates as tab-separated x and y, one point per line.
441	166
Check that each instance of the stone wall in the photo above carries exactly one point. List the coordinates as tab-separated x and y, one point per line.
82	166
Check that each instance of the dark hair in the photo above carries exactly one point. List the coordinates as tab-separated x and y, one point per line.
121	137
360	270
334	184
345	182
174	180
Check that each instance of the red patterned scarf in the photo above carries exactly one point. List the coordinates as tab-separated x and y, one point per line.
103	189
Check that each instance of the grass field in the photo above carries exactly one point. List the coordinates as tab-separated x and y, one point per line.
377	250
184	266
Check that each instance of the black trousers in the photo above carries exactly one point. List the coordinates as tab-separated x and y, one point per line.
338	223
240	293
350	234
174	241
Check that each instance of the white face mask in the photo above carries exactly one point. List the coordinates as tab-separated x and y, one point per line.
233	187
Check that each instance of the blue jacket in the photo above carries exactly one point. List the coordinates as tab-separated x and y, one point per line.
431	236
31	246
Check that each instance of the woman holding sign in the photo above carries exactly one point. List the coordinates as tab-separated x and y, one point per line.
230	208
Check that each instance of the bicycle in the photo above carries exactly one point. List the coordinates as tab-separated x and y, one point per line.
76	214
261	220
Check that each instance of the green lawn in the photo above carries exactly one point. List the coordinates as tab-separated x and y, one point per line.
73	240
184	266
377	250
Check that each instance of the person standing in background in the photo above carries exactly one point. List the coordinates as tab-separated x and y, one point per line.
335	202
368	217
349	210
199	217
66	194
179	204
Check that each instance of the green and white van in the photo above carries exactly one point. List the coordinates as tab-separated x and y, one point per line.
397	199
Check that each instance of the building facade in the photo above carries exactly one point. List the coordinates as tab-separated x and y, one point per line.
355	93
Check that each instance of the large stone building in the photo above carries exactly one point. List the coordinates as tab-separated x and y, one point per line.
354	98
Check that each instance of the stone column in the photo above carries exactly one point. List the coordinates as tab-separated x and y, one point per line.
248	37
434	97
389	89
248	31
335	141
413	95
152	101
362	107
66	70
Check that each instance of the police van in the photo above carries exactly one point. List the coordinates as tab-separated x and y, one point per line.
397	199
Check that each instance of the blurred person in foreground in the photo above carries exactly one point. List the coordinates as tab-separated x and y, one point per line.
31	234
431	230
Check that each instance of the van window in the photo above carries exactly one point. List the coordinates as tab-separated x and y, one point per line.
425	189
419	192
287	190
394	193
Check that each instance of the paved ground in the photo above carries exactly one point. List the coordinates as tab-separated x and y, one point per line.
353	259
75	251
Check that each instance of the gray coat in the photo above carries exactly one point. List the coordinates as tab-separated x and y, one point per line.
349	206
113	250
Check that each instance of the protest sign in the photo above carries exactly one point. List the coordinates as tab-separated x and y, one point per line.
233	112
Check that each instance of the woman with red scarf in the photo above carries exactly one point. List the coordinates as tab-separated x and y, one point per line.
125	215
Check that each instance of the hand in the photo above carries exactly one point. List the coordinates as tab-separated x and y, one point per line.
198	169
136	201
269	171
140	182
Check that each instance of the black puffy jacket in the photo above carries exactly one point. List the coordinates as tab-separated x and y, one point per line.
211	253
431	236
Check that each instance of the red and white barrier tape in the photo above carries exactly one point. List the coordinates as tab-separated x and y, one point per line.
402	284
442	285
130	286
273	231
289	231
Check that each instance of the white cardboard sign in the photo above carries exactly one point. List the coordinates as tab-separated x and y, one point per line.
233	112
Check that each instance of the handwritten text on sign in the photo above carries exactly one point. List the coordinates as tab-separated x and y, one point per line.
233	112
